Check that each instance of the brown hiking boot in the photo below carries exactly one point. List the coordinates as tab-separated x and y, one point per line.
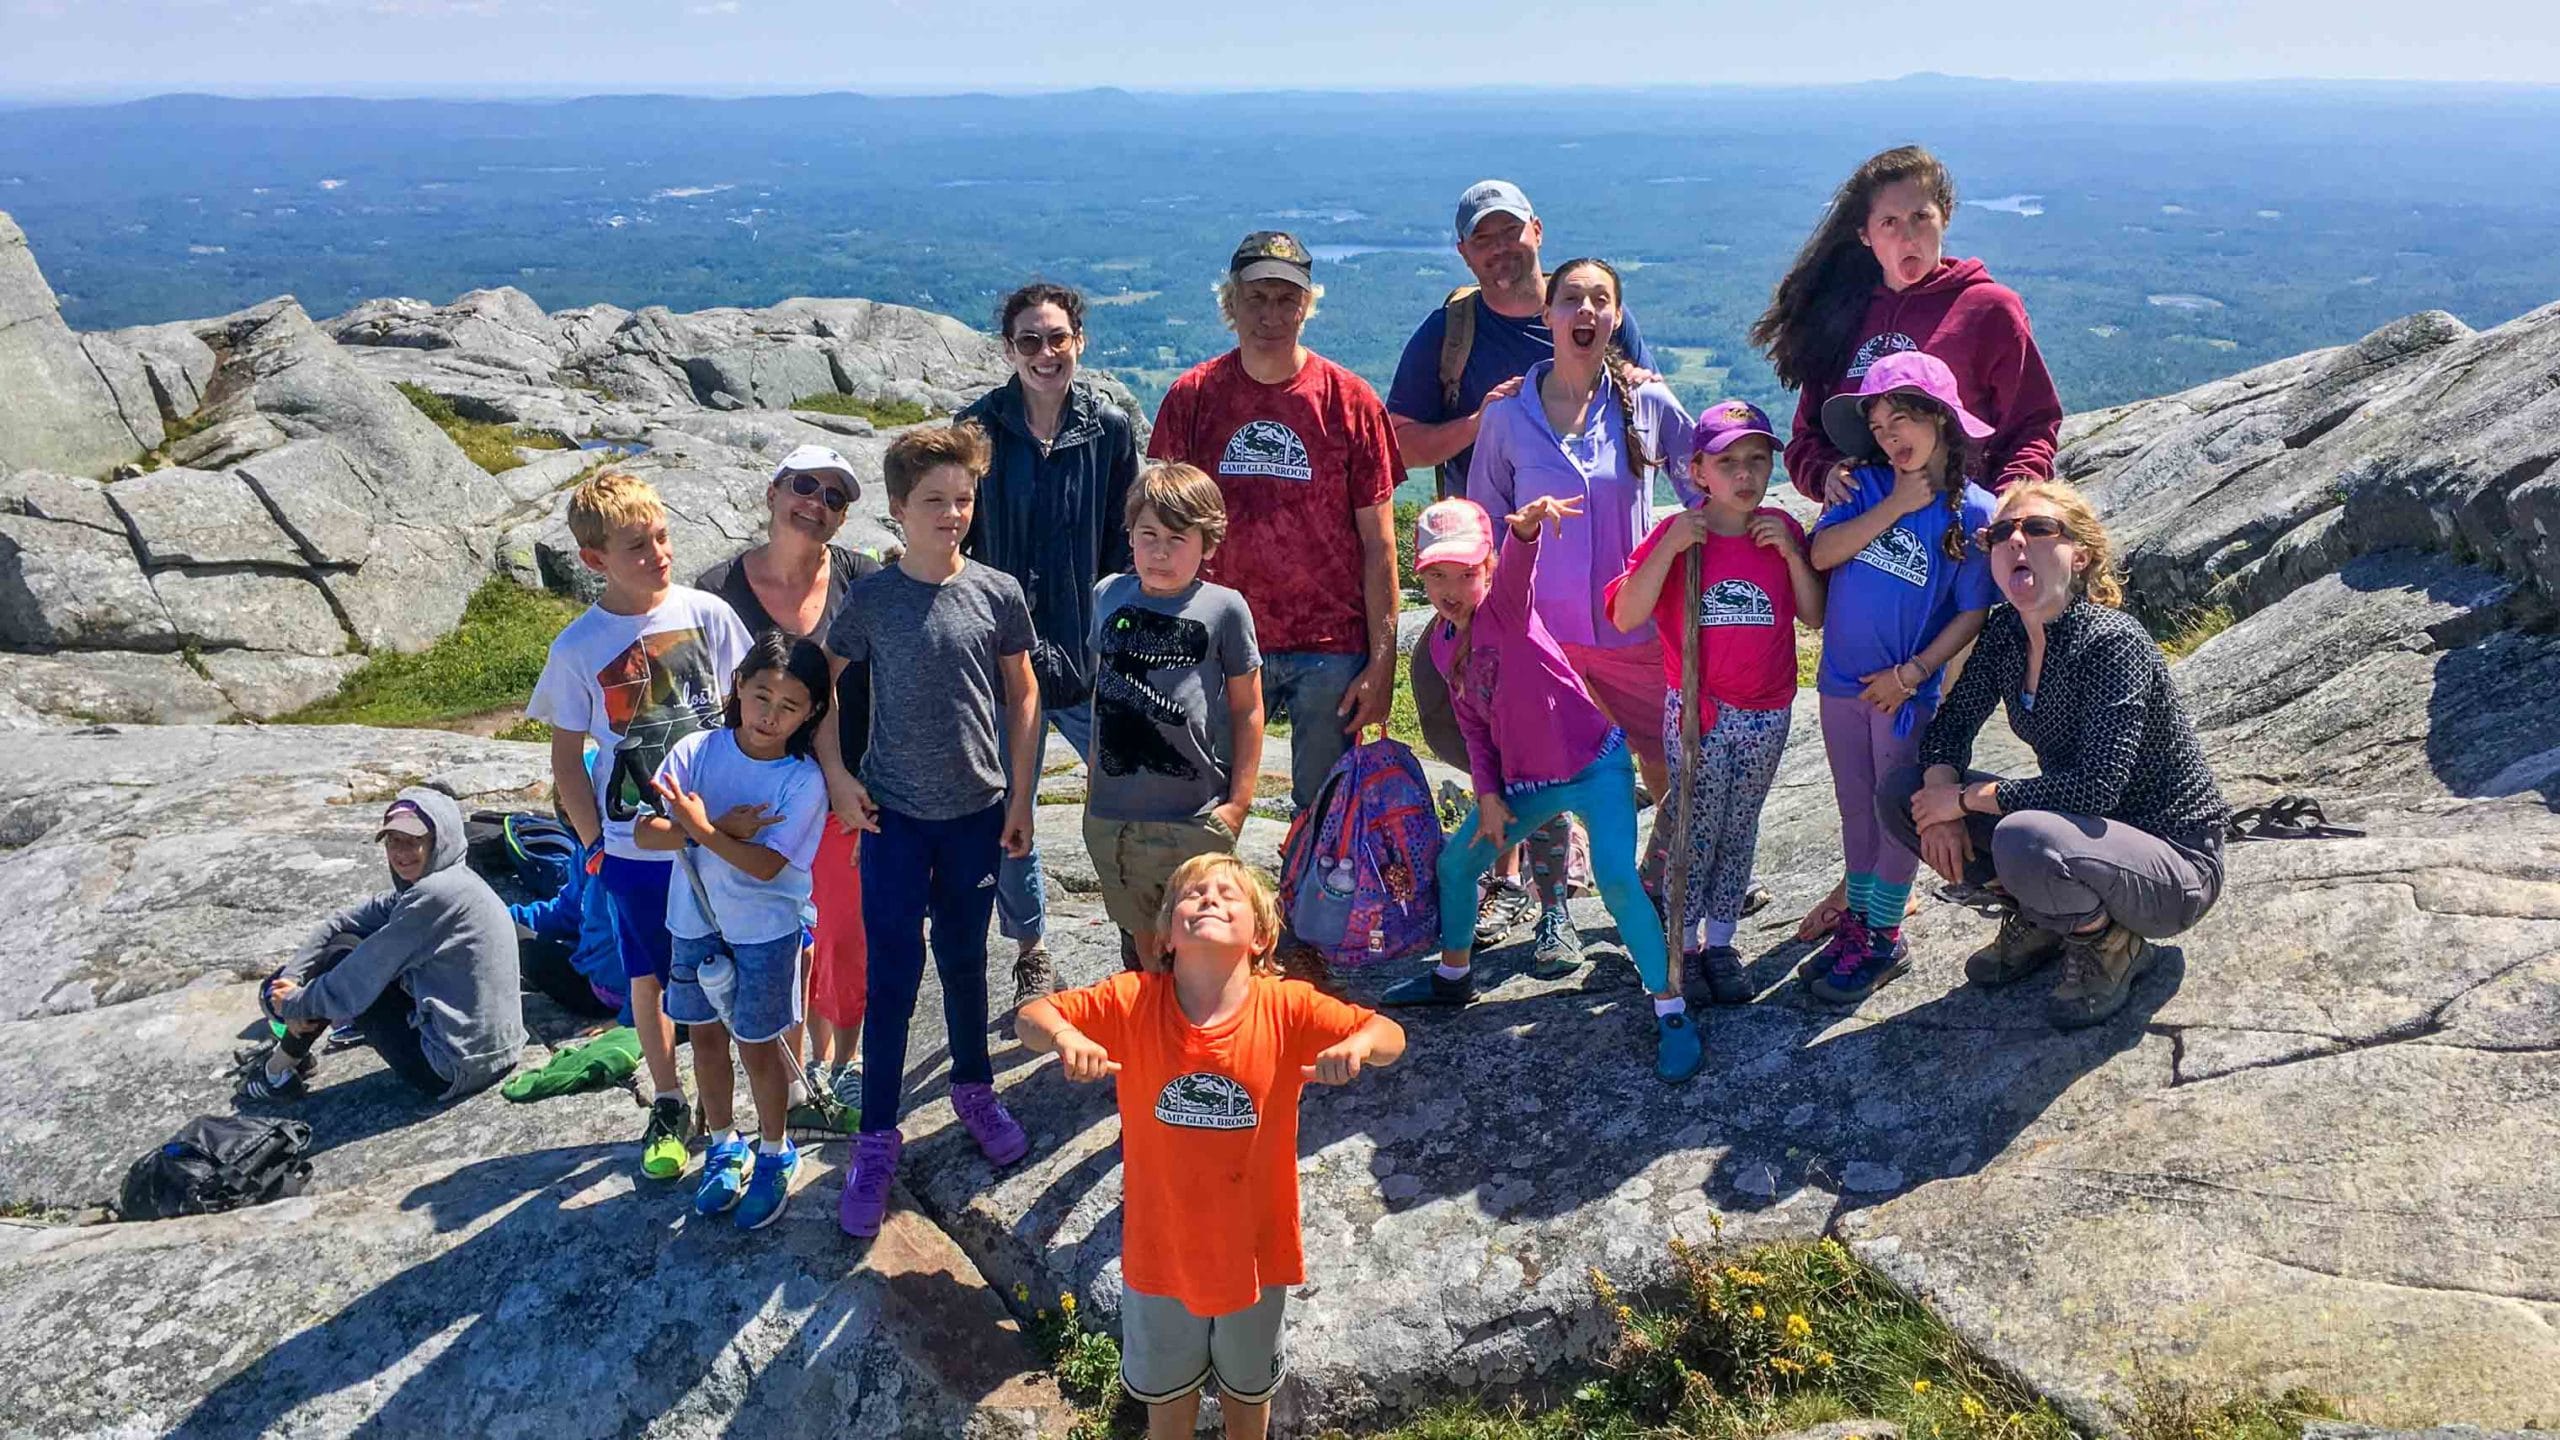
2098	972
1034	973
2020	949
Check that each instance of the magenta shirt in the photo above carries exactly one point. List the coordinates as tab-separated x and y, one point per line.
1526	718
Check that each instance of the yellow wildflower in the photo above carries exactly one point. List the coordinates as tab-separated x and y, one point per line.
1973	1408
1825	1359
1919	1387
1759	1313
1021	1294
1066	1302
1799	1327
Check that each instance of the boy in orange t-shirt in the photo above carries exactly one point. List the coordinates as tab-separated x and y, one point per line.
1211	1060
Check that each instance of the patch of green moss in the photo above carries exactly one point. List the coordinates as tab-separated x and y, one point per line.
883	413
490	446
488	663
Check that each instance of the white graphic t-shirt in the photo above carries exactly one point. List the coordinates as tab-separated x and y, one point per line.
637	684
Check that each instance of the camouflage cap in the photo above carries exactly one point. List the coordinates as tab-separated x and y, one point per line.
1273	255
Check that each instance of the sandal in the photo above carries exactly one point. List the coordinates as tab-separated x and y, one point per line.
2288	817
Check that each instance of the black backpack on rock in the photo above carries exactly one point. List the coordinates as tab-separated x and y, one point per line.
216	1163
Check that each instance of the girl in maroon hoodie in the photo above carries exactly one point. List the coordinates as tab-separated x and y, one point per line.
1872	280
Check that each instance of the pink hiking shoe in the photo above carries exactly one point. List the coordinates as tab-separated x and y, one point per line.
990	1124
866	1186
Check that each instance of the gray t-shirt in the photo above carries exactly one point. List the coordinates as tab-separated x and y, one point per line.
1163	742
937	714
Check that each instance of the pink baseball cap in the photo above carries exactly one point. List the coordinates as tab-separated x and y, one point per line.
1452	532
1724	422
1905	372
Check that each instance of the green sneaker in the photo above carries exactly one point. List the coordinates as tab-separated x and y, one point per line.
663	1154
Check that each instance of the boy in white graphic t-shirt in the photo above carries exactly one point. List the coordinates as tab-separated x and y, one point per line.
645	666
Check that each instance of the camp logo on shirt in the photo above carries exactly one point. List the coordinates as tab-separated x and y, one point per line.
1735	602
1267	447
1204	1101
1891	342
1900	554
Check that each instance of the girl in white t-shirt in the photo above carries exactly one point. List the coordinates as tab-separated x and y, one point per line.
743	806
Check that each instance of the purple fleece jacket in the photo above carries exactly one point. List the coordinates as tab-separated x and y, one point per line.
1526	718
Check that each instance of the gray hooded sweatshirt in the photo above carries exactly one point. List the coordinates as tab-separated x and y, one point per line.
447	939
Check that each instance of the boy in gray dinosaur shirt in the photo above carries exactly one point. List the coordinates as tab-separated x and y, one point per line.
1177	705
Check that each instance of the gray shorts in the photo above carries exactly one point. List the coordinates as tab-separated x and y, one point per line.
1166	1352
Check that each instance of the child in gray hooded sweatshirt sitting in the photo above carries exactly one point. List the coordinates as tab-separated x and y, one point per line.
426	972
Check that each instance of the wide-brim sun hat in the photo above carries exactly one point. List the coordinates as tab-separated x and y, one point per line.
1907	372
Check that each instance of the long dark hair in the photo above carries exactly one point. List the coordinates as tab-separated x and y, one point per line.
1620	368
1813	316
803	662
1955	449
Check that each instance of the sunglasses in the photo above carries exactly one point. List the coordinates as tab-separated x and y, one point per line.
2034	527
804	484
1030	346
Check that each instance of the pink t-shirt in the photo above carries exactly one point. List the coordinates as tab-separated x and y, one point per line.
1746	617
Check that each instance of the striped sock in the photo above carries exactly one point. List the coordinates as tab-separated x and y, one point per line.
1886	902
1862	889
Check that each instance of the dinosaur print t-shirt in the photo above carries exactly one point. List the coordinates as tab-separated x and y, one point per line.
637	684
1293	462
1209	1132
1163	741
1746	617
1891	600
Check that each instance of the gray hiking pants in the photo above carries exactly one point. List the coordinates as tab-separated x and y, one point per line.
2065	871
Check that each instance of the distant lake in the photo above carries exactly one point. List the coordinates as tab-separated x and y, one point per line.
2185	302
2013	204
1345	252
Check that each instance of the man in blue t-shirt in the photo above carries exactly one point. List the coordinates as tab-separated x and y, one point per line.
1498	237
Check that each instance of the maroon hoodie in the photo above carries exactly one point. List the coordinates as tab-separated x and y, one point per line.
1976	325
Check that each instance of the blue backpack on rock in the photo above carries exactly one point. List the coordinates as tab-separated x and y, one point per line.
1359	871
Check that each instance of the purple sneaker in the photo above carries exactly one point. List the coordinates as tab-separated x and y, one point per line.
990	1124
866	1186
1848	943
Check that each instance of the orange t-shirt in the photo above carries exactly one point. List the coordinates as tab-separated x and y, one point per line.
1209	1132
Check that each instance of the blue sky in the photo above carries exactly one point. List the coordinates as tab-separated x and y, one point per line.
101	48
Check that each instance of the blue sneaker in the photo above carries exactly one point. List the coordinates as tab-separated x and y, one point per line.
724	1175
770	1190
1677	1050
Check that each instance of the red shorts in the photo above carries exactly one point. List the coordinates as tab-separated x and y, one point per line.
838	972
1627	681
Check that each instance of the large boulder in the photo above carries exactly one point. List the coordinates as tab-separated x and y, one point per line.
62	412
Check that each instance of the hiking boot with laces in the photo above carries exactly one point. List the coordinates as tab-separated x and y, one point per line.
1848	937
1558	951
2098	971
1721	967
866	1186
999	1138
1860	973
1506	906
724	1175
1034	974
2020	949
844	1081
769	1189
662	1144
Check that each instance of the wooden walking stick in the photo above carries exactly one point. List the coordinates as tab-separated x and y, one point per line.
1684	779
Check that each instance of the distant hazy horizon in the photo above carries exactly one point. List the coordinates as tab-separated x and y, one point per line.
487	48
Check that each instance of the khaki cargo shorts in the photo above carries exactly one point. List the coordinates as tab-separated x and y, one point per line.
1134	858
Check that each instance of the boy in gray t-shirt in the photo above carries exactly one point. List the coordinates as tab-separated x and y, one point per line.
1177	704
954	716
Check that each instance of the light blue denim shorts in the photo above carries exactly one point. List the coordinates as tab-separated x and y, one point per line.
754	989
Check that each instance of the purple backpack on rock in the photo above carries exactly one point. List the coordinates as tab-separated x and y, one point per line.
1359	871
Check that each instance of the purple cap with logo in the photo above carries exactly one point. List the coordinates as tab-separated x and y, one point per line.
1905	372
1720	424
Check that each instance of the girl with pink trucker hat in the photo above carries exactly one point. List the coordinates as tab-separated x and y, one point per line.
1537	747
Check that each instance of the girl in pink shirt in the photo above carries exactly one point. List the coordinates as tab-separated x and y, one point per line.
1755	584
1538	747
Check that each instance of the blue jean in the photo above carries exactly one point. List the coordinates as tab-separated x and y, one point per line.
913	871
1604	795
1022	892
1307	688
763	998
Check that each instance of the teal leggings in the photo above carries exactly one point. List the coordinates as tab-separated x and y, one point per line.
1604	795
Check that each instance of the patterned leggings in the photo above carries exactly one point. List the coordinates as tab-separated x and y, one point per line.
1737	763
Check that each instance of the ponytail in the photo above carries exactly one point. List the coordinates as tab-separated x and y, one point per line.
1621	379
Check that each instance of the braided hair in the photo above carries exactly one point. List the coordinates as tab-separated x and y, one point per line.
1955	454
1621	370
